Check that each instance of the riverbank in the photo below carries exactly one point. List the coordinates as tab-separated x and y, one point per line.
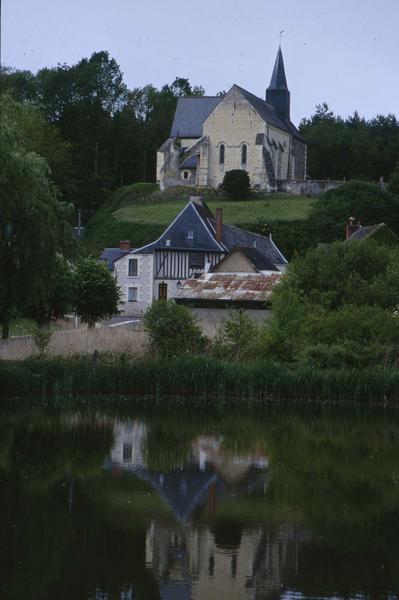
198	377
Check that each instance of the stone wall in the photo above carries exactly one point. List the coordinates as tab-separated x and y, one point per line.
309	188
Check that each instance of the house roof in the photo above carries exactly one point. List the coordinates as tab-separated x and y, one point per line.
227	287
269	114
197	217
110	255
371	231
258	260
190	114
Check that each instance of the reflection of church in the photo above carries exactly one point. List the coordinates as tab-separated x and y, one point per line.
207	554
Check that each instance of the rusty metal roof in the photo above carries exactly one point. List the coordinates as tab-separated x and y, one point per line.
240	287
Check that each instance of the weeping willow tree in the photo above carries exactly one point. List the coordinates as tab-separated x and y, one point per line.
34	226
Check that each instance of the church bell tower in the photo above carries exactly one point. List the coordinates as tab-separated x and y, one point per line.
277	94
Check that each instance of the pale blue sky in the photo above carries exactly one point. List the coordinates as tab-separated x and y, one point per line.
344	52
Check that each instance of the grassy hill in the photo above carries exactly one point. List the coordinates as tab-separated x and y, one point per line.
140	213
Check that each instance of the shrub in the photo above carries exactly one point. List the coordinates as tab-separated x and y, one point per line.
236	183
41	339
237	337
172	329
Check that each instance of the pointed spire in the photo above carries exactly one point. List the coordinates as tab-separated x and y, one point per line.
278	80
277	94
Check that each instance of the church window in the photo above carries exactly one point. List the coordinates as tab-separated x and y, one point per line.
244	154
221	154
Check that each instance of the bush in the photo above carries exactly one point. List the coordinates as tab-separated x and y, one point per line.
42	338
237	337
236	183
364	201
172	329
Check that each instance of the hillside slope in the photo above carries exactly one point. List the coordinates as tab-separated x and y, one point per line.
140	213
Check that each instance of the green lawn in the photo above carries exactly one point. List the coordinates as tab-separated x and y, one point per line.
277	208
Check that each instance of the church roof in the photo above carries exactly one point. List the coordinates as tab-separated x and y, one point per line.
190	114
269	114
278	80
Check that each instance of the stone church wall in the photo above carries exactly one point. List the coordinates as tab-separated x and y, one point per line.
234	123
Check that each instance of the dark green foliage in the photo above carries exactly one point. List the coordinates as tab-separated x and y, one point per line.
34	225
350	148
237	337
115	132
364	201
172	329
97	295
236	184
42	338
338	306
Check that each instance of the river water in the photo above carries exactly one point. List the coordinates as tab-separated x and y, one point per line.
100	502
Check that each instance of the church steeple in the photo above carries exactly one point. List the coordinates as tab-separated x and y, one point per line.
277	94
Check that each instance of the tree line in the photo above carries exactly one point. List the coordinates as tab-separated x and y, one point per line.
98	135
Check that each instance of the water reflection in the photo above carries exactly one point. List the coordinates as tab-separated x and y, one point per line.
180	505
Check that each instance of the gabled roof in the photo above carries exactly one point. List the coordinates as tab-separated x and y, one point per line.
269	114
190	114
110	255
278	80
258	260
194	218
197	218
380	230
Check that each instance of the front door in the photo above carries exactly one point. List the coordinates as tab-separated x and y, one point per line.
163	291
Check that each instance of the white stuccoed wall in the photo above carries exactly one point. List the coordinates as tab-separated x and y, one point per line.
143	282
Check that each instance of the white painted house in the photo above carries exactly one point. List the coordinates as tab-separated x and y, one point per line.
191	245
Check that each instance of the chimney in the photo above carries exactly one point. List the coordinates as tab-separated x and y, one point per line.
351	227
124	245
219	224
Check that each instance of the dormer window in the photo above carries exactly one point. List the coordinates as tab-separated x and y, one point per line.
190	235
244	154
167	243
221	154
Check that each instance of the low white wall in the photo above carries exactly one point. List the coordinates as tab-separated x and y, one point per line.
209	319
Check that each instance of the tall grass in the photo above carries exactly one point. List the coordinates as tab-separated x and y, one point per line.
196	377
79	341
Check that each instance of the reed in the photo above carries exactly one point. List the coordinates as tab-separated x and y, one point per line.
195	378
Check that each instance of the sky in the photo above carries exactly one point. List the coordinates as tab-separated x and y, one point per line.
343	52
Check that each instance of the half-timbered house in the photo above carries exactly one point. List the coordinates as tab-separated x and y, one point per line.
191	245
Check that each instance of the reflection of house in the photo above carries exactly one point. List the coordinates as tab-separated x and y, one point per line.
255	567
129	438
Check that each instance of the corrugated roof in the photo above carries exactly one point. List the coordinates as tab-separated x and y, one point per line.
190	114
239	287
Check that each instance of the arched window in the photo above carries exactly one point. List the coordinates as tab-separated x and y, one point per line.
244	154
221	154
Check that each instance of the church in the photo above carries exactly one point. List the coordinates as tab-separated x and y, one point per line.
214	134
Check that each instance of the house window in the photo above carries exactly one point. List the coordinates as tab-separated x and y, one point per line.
127	452
186	174
162	291
244	154
196	260
132	294
190	235
221	154
133	262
